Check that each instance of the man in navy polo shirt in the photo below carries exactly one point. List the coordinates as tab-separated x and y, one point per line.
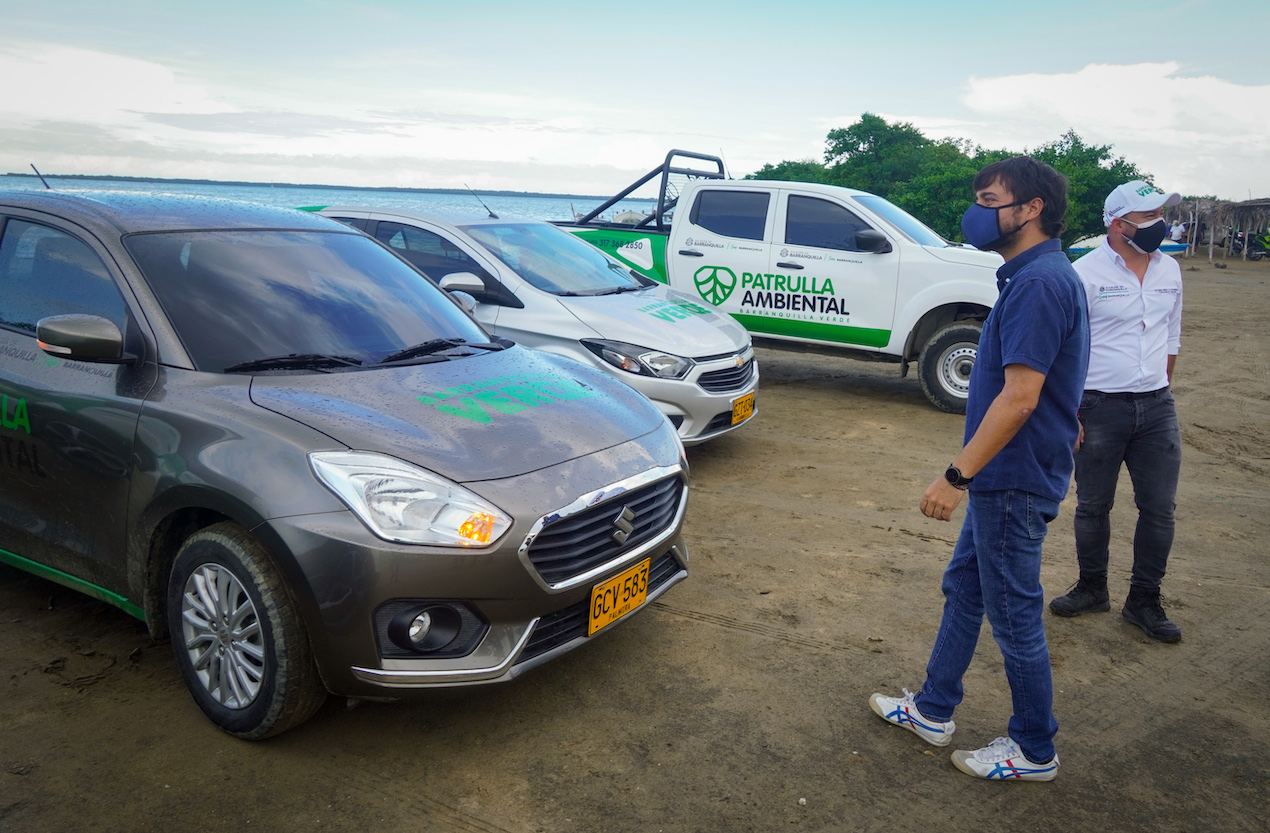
1016	463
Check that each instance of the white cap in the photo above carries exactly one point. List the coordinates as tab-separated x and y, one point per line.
1135	196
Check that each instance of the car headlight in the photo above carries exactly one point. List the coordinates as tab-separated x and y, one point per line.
641	360
403	503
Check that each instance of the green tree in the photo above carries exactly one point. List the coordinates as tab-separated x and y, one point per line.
932	180
802	170
874	155
1092	172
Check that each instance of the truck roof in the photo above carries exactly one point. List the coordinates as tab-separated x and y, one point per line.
768	184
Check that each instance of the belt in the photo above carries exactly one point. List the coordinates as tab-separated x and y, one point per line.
1130	395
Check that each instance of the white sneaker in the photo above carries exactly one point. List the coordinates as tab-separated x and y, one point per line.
1002	760
901	711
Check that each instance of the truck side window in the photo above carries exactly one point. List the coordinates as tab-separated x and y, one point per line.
822	224
431	253
46	272
740	214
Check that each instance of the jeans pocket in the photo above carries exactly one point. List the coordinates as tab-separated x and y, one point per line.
1041	512
1089	400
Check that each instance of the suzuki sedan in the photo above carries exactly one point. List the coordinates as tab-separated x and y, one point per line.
278	444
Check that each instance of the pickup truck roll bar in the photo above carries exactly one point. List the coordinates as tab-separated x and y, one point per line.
665	170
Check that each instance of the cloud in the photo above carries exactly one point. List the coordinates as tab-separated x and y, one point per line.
63	83
1196	134
266	123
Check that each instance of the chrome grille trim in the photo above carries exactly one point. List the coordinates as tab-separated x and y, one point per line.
588	501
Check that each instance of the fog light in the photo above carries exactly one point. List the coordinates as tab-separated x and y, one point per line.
419	628
424	630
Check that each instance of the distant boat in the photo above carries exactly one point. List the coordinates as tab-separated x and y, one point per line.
628	217
1088	244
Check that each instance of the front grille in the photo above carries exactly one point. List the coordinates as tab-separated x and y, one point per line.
735	378
556	629
577	543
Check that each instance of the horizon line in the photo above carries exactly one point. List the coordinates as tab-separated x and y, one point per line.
192	181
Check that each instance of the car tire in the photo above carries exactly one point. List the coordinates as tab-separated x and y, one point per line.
238	638
946	362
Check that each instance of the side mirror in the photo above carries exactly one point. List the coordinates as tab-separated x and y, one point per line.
872	240
464	300
462	282
83	338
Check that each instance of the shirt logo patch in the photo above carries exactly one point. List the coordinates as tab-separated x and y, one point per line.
1112	291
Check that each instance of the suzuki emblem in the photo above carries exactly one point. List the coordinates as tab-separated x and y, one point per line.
624	525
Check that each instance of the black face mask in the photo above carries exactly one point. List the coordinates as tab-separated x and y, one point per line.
1147	238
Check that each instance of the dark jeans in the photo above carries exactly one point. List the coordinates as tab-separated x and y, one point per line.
996	569
1139	430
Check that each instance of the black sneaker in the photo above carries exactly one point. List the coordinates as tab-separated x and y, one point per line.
1145	611
1083	597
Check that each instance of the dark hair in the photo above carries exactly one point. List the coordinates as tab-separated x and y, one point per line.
1028	179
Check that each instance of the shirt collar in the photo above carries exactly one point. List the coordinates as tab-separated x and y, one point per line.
1118	258
1014	264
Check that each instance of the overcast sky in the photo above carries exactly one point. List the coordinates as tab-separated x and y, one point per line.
582	97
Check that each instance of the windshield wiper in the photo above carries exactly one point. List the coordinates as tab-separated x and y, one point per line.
295	361
436	345
591	293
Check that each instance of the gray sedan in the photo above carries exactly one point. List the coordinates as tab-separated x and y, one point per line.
277	443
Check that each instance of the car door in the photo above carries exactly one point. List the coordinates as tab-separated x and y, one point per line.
67	427
721	246
829	287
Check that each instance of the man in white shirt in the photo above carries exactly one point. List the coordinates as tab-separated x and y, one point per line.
1127	411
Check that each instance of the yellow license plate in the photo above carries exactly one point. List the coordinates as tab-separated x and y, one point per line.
743	408
618	596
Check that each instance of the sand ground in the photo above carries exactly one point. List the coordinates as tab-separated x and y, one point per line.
738	701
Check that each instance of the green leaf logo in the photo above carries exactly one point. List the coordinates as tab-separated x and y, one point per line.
715	283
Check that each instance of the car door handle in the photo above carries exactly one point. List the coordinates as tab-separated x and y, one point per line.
789	265
690	253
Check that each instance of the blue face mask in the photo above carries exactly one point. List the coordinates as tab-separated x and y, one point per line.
981	226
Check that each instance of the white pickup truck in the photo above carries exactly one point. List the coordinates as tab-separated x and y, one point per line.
812	267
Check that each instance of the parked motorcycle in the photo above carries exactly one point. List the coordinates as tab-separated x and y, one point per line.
1258	245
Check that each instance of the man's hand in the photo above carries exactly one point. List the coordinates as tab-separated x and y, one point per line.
940	500
1080	439
1005	416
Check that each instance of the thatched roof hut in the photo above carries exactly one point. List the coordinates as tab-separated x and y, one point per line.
1217	217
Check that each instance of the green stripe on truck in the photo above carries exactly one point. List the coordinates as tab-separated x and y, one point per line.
808	329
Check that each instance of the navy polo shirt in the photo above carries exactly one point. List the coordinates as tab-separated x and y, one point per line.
1040	320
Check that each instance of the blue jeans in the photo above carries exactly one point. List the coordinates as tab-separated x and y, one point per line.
1139	430
996	569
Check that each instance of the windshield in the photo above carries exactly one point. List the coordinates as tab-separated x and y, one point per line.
236	297
913	228
553	260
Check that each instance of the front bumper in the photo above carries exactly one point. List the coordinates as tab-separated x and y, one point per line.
700	405
530	614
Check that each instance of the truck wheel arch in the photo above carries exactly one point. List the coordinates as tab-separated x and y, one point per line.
933	321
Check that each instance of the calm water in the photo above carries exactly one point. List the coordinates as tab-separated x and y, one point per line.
538	208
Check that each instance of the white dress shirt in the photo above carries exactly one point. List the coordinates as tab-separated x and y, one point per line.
1134	326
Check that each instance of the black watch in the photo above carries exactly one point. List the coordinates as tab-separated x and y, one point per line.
955	478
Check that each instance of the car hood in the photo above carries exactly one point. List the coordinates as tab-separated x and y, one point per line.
492	415
660	318
967	255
